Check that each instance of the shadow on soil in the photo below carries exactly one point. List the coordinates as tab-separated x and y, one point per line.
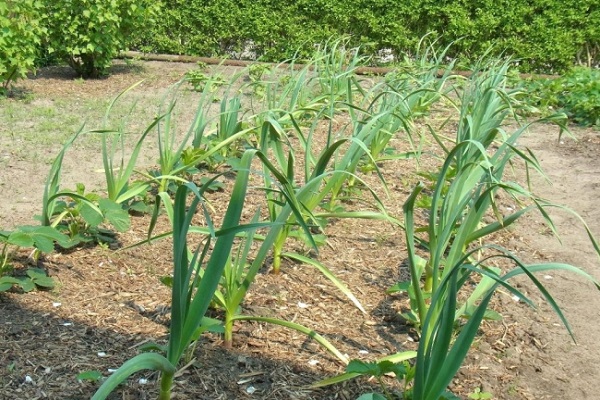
41	355
66	73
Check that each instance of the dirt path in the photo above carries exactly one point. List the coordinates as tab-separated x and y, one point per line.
565	370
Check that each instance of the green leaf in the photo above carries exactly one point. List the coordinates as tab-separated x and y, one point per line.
372	396
46	283
93	376
329	275
388	367
363	368
151	361
394	358
40	279
10	279
399	287
167	280
26	284
90	215
36	273
376	368
140	206
115	214
44	243
213	186
7	282
489	314
132	192
43	237
20	239
209	325
153	346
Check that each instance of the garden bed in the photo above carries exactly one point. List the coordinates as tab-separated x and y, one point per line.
109	302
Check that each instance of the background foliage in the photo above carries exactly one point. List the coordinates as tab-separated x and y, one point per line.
576	93
548	35
88	34
20	36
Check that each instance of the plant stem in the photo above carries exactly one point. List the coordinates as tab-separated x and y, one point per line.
3	260
278	249
166	383
228	334
163	185
277	260
386	393
428	286
416	284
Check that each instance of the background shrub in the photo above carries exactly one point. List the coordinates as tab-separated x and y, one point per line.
576	93
547	35
20	35
88	34
198	27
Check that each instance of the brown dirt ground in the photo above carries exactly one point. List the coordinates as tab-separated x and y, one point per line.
111	301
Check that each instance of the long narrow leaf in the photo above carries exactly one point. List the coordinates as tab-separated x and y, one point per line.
329	275
151	361
299	328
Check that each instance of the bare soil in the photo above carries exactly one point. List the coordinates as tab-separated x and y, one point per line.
109	302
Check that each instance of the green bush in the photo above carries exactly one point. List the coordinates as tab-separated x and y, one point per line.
576	93
88	34
546	35
20	32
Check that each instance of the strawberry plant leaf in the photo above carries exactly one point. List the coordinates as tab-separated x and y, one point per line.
115	214
26	284
20	239
90	215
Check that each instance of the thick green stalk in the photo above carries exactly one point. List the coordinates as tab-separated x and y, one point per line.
228	333
278	249
428	286
166	383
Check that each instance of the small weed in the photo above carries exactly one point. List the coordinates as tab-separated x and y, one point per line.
477	394
92	376
256	71
199	80
512	389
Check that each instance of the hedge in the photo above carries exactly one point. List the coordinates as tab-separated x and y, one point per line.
546	35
